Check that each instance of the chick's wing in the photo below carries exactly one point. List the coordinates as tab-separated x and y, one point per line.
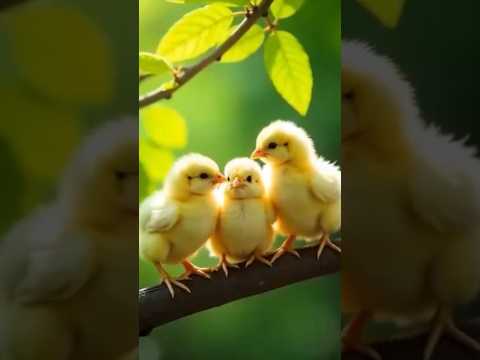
57	262
326	181
158	214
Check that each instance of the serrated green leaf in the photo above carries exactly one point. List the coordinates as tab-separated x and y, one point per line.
196	32
164	126
388	12
282	9
152	64
246	46
288	66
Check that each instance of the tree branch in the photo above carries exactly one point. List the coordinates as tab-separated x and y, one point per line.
156	307
412	348
190	72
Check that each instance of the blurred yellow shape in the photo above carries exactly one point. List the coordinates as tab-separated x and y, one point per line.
155	161
388	12
41	136
164	126
62	54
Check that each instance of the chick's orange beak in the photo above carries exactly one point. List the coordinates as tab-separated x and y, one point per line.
257	154
218	179
236	183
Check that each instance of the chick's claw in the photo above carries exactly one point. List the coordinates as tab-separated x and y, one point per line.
169	281
258	258
224	264
191	269
443	323
325	241
287	247
364	350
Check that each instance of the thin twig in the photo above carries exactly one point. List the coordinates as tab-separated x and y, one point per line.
156	307
190	72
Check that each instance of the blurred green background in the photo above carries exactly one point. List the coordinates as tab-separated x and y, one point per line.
223	109
65	67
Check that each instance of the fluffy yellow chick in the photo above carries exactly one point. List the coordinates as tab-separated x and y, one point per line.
245	225
411	236
304	188
176	221
69	269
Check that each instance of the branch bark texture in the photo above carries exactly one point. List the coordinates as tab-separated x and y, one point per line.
412	348
156	307
188	73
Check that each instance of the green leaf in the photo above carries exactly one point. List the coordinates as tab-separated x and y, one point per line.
196	32
388	12
246	46
164	126
282	9
152	64
289	69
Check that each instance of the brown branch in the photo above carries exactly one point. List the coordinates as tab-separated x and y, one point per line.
156	307
412	347
190	72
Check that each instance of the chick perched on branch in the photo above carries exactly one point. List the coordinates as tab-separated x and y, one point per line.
68	270
176	221
244	230
412	239
305	189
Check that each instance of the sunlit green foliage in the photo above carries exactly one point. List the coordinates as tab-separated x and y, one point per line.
202	29
288	66
224	108
196	32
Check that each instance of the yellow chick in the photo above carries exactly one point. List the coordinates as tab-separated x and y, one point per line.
304	188
69	269
411	240
245	227
177	221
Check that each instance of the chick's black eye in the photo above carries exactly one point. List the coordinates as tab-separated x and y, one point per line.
228	178
272	145
249	178
204	176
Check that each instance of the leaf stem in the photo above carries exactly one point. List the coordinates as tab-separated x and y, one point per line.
190	72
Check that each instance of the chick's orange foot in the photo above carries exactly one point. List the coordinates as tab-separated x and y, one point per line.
286	248
443	324
259	258
191	269
169	281
352	335
326	241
